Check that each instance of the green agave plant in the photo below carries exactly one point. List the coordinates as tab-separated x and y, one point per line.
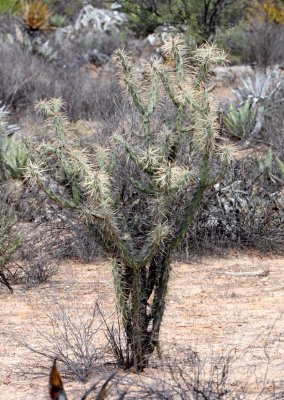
14	157
240	121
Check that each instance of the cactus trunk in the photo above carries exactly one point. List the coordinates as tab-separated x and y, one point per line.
142	307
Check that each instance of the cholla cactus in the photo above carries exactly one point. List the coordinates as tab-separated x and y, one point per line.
173	168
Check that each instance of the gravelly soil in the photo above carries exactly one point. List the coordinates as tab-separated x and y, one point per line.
206	309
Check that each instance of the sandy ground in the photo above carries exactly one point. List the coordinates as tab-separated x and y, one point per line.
206	309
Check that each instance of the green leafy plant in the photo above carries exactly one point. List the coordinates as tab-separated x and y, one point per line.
143	17
8	6
57	20
200	18
141	220
240	121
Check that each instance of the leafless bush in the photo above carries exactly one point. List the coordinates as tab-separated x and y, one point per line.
47	242
195	378
72	337
243	211
31	79
117	340
19	71
264	43
85	97
273	127
10	241
48	235
105	388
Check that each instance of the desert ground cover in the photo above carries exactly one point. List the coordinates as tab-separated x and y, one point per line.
207	310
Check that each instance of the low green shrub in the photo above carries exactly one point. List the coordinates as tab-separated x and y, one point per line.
57	20
200	18
8	6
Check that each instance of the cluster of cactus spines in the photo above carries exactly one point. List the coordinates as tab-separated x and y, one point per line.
142	267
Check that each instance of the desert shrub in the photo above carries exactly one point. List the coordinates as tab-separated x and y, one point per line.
117	340
34	257
36	266
31	80
9	6
200	18
195	378
267	10
9	243
9	240
74	338
52	233
264	44
48	236
272	128
264	33
17	84
244	211
144	16
101	390
232	40
258	37
85	98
